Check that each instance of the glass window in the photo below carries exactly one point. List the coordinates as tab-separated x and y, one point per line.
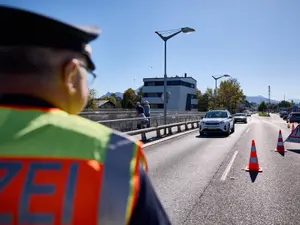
216	114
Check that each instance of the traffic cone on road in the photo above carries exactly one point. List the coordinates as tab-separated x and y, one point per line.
280	146
253	162
293	128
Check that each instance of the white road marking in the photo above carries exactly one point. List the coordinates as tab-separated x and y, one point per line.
229	166
247	130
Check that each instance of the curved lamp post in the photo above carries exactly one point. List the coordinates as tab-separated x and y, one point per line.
171	33
216	86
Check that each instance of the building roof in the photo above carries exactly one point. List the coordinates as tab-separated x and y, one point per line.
102	102
175	77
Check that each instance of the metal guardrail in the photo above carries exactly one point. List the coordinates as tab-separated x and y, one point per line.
116	110
167	128
130	124
106	115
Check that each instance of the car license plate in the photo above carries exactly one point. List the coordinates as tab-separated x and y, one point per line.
213	128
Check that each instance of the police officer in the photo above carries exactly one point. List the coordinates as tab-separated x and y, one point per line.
56	167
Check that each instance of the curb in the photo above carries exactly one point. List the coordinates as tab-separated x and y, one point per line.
169	138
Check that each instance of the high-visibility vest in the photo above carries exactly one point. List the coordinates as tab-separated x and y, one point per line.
56	168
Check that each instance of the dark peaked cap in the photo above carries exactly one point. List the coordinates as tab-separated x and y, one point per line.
24	28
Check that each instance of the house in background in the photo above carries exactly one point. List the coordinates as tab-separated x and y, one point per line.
183	93
105	104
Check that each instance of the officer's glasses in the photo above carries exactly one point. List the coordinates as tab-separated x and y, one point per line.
91	75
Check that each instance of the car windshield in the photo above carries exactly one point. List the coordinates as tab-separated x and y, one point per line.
296	114
216	114
239	114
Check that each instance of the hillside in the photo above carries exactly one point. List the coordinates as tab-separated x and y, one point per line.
258	99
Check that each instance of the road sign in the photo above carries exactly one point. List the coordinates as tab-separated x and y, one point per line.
295	108
294	136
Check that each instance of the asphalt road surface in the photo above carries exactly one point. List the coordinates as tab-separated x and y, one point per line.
200	179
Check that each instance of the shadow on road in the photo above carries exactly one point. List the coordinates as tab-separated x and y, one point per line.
281	153
294	150
211	136
253	176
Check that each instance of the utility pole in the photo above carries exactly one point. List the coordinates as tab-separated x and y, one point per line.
269	93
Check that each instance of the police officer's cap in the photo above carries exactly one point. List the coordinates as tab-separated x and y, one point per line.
24	28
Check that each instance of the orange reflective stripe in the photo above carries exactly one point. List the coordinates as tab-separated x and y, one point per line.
120	180
142	156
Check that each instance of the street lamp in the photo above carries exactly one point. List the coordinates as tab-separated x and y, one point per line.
216	80
171	33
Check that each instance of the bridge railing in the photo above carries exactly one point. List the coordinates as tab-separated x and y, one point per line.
129	124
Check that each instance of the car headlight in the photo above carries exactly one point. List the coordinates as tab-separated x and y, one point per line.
222	122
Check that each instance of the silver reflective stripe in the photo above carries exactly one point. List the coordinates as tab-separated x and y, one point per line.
116	182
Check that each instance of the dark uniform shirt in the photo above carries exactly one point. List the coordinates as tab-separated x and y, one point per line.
148	211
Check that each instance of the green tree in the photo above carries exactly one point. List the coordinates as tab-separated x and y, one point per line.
262	107
285	104
139	95
205	101
247	104
92	102
230	95
129	99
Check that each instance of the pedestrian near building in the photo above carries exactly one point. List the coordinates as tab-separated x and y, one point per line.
60	168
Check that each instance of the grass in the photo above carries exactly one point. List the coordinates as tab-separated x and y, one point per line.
263	114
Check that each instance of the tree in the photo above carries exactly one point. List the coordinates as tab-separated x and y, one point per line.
230	95
92	103
262	106
205	101
129	99
285	104
139	95
247	104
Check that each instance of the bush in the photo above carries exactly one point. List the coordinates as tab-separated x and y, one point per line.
263	114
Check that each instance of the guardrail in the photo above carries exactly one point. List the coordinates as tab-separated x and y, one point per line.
129	124
167	129
105	115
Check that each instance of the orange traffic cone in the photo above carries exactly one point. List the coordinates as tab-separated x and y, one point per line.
253	162
293	128
280	146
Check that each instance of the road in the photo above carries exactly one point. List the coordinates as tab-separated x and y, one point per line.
189	175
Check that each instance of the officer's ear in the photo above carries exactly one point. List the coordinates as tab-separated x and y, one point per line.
70	76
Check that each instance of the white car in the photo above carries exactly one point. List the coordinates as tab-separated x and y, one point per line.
217	121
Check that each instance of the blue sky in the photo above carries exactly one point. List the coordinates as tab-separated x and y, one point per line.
255	41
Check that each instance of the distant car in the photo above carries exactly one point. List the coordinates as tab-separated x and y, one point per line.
247	113
294	117
283	113
240	117
285	117
217	121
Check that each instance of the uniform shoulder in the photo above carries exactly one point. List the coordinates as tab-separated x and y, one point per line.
79	124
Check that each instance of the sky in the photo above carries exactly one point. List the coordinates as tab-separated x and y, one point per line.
255	41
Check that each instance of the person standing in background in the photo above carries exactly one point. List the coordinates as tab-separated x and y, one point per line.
140	113
147	112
